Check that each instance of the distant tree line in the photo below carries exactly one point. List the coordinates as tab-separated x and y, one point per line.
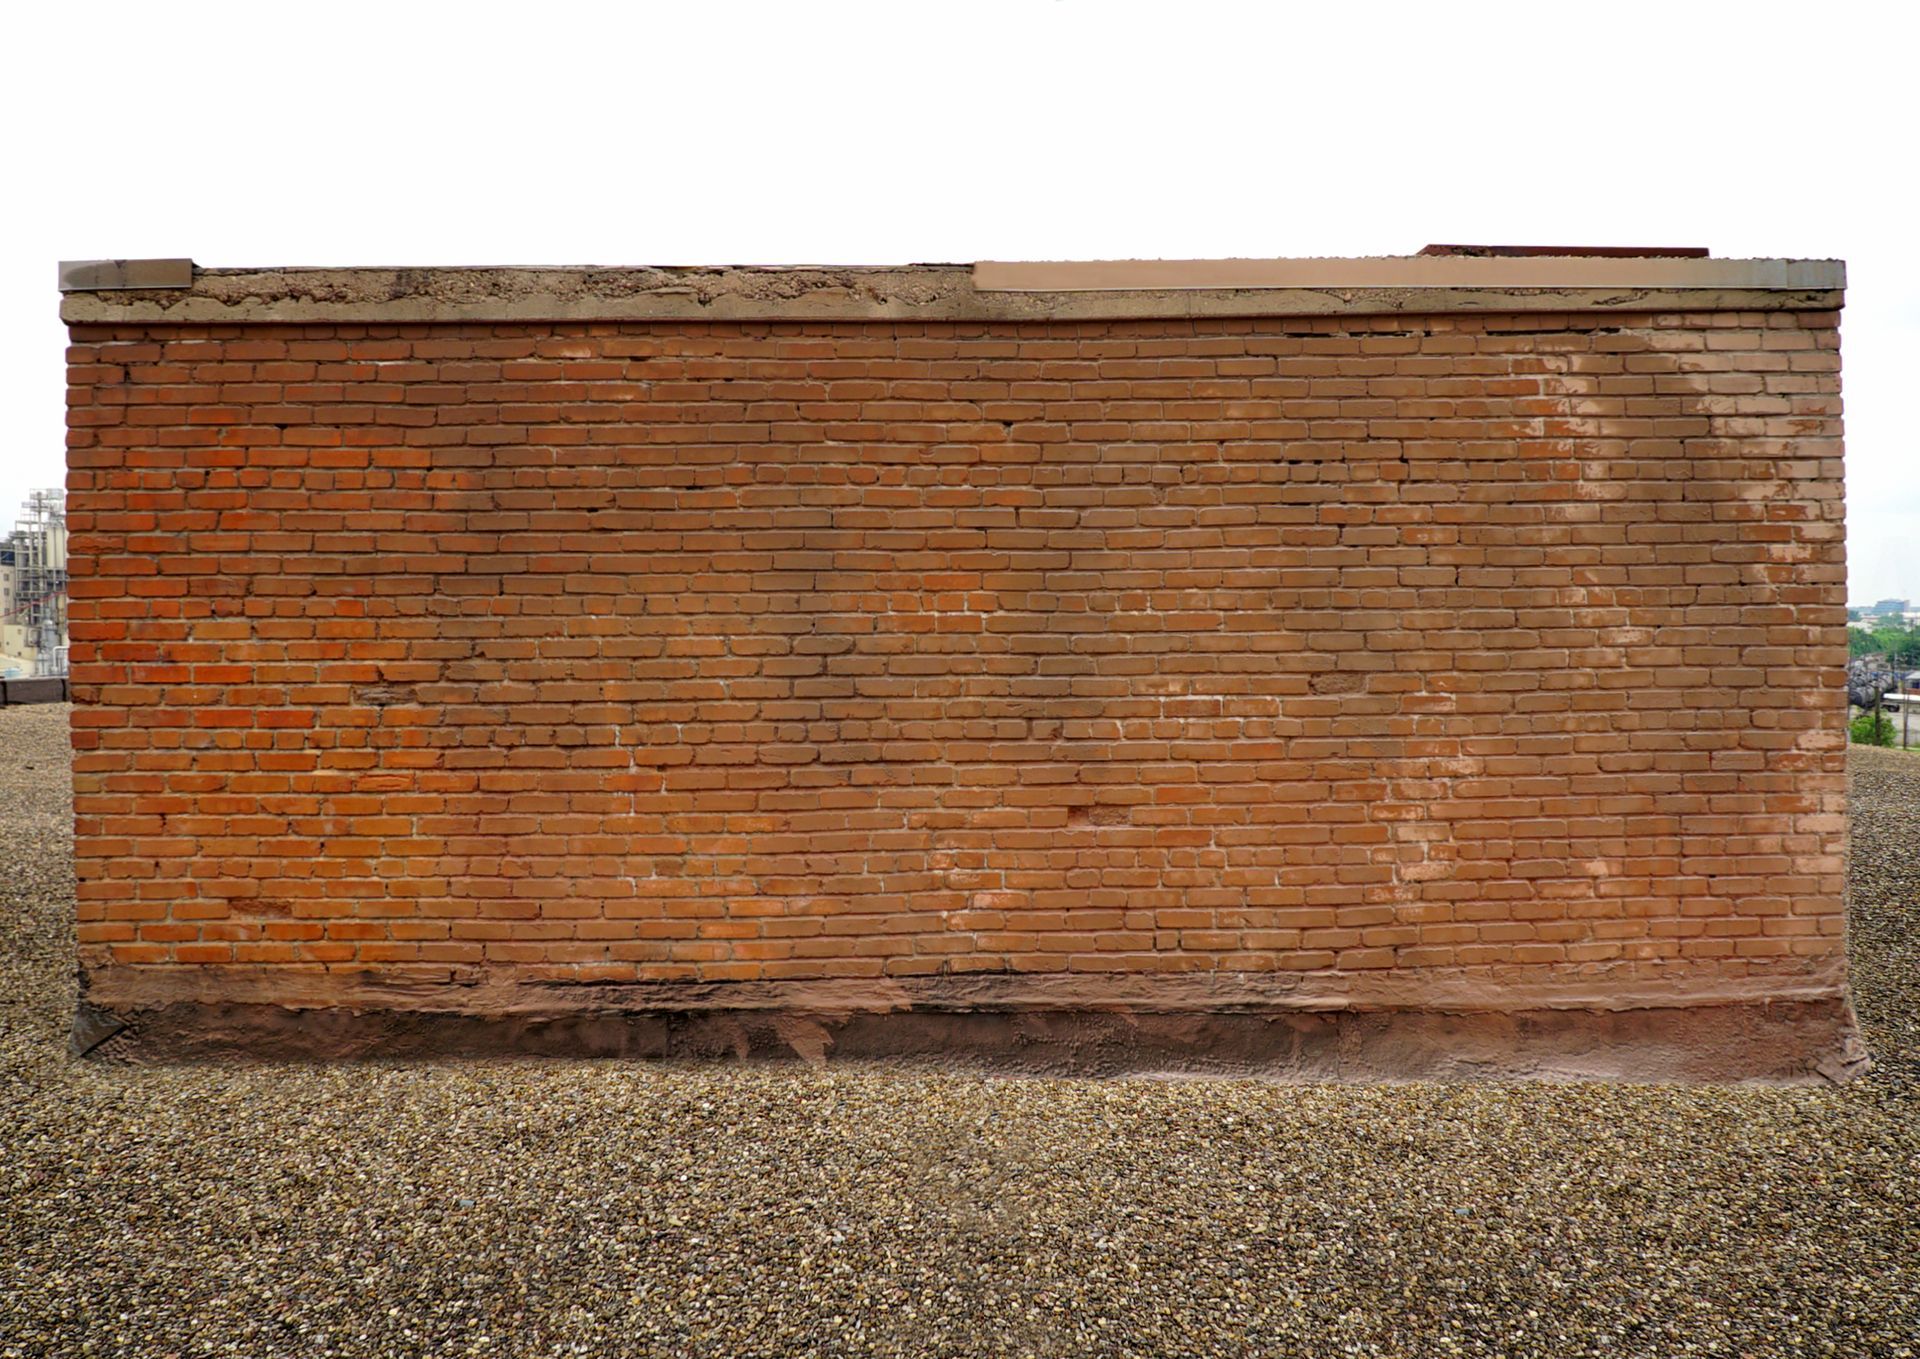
1897	642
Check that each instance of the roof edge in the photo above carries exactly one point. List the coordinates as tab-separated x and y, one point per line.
176	292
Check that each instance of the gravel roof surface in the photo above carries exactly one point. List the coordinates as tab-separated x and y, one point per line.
557	1208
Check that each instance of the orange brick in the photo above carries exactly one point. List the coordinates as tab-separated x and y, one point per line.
728	652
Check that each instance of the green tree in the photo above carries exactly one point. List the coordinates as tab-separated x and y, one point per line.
1872	729
1900	645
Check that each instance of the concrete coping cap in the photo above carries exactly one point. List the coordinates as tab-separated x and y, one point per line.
178	292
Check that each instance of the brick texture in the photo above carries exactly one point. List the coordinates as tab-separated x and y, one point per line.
730	652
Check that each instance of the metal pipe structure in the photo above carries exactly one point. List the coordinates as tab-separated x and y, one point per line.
38	546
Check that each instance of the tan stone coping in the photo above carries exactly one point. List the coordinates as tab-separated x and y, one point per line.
142	292
1412	271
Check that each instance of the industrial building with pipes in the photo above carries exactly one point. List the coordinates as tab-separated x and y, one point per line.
33	591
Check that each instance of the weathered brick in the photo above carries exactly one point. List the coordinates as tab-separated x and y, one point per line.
786	651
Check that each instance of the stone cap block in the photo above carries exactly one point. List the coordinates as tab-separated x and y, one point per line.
93	276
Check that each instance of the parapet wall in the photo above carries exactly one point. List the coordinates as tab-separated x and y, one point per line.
1408	676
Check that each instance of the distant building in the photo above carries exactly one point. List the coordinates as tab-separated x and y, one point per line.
33	589
1883	614
14	662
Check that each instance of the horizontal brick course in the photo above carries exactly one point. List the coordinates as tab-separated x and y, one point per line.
1470	645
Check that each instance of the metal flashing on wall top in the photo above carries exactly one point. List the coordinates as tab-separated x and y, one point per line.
92	276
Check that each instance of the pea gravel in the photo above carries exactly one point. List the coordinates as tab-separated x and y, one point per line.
577	1208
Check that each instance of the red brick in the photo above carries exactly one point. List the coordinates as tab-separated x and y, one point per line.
746	651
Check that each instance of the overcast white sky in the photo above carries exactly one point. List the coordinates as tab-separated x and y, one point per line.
700	133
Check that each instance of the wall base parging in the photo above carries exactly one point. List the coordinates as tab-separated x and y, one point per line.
1751	1041
1466	1024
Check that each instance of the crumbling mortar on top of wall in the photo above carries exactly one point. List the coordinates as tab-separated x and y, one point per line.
931	292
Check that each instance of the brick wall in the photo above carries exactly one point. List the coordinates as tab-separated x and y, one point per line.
1475	648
